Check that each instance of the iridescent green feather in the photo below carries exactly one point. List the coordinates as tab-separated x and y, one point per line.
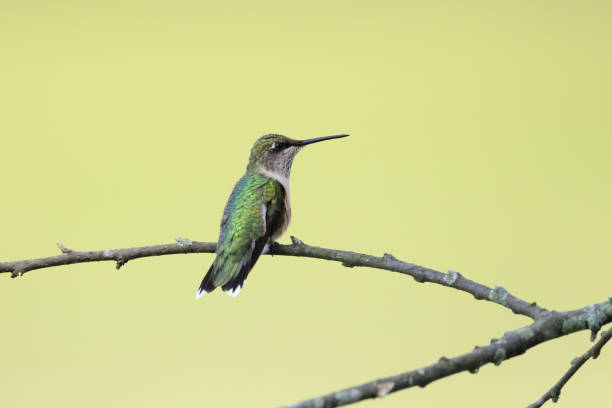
244	223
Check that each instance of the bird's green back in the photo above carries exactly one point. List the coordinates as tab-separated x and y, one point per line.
244	223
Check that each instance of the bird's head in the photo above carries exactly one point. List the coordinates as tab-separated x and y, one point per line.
273	154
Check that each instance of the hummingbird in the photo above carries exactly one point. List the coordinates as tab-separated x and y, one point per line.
257	212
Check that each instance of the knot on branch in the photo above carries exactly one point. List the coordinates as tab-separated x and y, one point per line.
120	263
451	277
525	333
183	242
500	355
388	258
383	388
499	295
554	395
63	248
419	277
594	319
296	241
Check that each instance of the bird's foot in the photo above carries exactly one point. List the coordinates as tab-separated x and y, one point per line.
270	248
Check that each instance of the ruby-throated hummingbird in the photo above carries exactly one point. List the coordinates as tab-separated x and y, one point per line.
256	213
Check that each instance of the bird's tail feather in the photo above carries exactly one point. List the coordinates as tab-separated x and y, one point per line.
234	286
230	276
208	284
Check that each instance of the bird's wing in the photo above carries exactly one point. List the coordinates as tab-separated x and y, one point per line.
249	218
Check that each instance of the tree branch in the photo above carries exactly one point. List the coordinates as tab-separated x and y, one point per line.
547	325
593	353
120	256
512	344
388	262
420	274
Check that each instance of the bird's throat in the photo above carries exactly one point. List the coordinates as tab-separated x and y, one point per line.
280	176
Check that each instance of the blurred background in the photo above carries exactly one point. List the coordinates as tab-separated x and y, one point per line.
480	142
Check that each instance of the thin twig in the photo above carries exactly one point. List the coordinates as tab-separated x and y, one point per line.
388	262
593	353
512	344
120	256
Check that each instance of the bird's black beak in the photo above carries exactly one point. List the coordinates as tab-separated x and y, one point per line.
319	139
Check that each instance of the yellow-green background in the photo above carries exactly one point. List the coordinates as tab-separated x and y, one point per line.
480	142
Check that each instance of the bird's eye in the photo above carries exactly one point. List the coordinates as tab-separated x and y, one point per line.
278	146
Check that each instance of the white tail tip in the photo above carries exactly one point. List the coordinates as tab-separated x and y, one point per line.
200	293
235	291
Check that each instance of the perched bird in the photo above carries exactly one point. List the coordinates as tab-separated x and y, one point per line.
257	212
